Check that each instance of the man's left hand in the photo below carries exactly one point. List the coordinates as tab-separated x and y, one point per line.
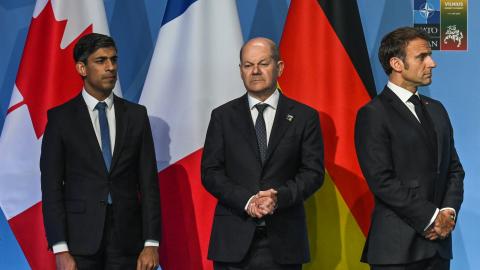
444	223
148	259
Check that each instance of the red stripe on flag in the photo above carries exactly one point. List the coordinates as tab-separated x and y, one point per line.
318	72
16	106
187	215
30	234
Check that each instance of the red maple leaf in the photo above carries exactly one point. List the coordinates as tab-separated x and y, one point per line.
47	76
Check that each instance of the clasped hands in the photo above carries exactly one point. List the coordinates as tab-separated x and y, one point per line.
442	226
263	203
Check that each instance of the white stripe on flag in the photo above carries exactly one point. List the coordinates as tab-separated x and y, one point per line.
193	70
20	171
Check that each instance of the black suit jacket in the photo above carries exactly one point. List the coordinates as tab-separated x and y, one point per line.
407	177
232	172
75	181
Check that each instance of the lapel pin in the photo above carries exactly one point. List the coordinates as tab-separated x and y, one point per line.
289	117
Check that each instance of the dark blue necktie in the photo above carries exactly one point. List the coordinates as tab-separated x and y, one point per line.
261	130
105	135
426	123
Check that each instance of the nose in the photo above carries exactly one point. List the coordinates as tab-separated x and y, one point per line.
110	65
256	69
431	62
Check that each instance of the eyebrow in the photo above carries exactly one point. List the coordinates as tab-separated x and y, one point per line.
424	54
105	57
261	60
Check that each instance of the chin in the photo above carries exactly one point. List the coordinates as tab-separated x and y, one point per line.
256	90
427	83
108	89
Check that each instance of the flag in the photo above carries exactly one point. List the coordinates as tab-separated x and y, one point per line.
327	67
46	78
194	69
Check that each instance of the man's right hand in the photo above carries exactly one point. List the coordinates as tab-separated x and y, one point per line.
264	203
65	261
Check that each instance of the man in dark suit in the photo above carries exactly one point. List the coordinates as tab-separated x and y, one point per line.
100	192
405	147
263	156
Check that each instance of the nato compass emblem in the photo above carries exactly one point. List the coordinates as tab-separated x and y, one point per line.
426	16
427	12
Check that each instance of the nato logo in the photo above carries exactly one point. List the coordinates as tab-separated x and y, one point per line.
426	12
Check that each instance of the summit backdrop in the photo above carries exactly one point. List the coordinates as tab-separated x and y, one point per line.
455	82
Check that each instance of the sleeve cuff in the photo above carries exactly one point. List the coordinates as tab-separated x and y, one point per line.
152	243
248	202
60	247
432	219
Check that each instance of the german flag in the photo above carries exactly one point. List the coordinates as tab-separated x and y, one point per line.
327	67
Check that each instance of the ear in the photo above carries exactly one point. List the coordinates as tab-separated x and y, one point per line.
397	64
280	66
81	68
241	71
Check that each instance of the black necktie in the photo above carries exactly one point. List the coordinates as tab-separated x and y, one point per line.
261	130
425	121
105	135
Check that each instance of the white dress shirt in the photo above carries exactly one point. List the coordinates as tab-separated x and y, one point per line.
110	111
404	95
268	115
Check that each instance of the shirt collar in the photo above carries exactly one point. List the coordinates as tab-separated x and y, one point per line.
403	94
92	102
272	100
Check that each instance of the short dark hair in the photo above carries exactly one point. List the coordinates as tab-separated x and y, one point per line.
273	48
394	43
89	43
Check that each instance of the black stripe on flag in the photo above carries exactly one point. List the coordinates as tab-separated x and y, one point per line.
345	19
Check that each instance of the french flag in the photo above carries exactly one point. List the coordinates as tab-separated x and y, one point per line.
194	69
46	78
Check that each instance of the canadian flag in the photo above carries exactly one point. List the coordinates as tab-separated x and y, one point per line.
46	78
194	69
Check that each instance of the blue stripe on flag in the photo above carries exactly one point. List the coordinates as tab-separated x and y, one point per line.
175	8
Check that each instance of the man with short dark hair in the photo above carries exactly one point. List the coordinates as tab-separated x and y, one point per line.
263	157
405	147
100	193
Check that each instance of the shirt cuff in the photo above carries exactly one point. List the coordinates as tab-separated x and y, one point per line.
432	219
450	208
60	247
152	243
248	202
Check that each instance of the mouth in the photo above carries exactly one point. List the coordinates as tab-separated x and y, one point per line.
257	80
110	78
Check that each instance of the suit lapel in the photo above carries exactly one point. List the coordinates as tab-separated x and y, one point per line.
439	134
86	126
400	107
121	123
280	125
245	125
